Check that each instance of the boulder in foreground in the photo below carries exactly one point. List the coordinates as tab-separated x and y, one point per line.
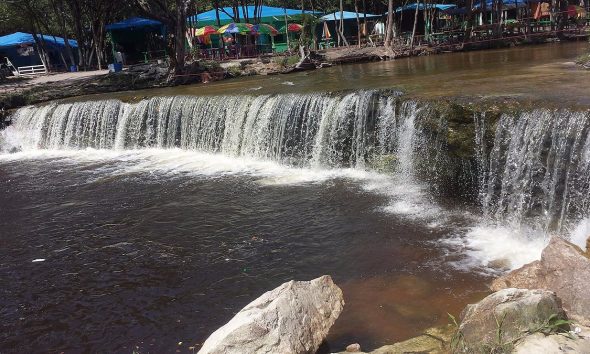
293	318
563	268
504	317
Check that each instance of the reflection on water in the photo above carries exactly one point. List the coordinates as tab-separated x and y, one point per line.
538	72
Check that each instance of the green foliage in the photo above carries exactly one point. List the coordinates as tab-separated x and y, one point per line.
553	325
309	23
457	339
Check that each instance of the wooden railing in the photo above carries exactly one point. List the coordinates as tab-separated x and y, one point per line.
32	70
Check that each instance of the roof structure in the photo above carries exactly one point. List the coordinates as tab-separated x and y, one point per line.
421	7
20	38
505	3
266	12
346	15
132	23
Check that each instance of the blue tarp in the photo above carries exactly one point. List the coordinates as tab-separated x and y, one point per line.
266	11
421	7
346	15
134	22
19	38
506	4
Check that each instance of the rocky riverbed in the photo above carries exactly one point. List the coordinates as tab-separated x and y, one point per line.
539	308
584	61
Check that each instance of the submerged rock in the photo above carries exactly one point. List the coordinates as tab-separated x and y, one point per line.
423	344
353	348
506	316
293	318
434	340
565	269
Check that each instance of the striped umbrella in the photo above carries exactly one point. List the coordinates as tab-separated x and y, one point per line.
264	28
236	28
206	31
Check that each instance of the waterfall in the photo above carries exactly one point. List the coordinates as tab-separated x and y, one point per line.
527	168
325	130
538	170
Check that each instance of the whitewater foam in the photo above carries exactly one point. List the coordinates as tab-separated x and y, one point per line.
580	233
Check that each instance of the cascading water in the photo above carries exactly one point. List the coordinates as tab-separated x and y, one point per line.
308	130
534	182
531	170
539	169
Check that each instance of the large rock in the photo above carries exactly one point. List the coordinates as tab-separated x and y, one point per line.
512	311
565	269
293	318
539	343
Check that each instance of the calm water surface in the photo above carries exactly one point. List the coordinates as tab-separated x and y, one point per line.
544	72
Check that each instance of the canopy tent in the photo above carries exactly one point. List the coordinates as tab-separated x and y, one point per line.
346	15
21	50
267	14
20	38
134	23
421	7
456	11
330	29
139	39
506	4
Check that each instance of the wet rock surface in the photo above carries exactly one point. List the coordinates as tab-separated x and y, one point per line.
505	316
555	344
563	268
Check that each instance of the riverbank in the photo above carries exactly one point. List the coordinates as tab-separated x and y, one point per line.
584	61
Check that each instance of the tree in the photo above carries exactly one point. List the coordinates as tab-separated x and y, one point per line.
173	14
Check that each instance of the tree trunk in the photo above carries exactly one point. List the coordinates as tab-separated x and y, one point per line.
415	23
217	13
341	26
365	27
179	36
358	22
390	24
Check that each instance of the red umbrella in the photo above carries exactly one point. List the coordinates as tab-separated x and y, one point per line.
293	27
206	31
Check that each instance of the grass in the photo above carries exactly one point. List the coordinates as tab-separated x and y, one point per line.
552	325
287	60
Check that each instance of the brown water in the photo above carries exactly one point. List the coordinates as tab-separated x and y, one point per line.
546	72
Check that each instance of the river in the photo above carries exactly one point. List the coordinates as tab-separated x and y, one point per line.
147	225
